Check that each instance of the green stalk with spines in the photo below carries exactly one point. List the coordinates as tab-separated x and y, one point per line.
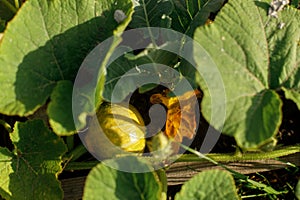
236	157
213	157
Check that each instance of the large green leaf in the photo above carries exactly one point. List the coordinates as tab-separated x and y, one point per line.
46	42
212	184
104	182
293	95
152	13
255	57
60	109
30	171
188	15
123	67
132	72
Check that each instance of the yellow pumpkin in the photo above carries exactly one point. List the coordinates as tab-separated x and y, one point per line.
121	130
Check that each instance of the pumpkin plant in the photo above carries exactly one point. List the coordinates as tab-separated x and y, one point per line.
254	45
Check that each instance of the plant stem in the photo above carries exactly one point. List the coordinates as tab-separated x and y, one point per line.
243	157
17	5
214	158
255	195
11	7
70	142
77	152
81	165
6	125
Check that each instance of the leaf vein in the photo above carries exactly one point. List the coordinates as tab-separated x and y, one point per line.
50	42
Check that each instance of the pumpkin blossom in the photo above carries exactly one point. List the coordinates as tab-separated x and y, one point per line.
181	119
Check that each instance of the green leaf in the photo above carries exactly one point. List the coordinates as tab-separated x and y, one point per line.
212	184
89	86
188	15
36	54
60	109
134	71
255	59
30	171
295	3
104	182
116	71
293	95
152	13
297	190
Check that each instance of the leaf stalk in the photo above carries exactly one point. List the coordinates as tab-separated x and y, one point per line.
9	6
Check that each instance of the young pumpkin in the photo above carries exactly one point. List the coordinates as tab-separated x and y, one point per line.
121	130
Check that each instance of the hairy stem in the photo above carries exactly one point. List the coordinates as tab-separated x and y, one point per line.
214	158
243	157
17	5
